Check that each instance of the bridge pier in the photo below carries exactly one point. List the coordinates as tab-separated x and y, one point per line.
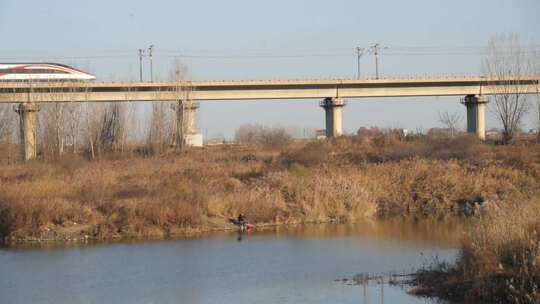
476	115
27	114
186	133
333	112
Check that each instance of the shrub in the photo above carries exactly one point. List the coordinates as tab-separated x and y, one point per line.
270	138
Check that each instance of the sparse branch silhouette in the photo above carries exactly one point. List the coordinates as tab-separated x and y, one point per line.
507	63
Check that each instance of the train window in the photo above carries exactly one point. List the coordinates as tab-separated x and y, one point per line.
55	71
32	71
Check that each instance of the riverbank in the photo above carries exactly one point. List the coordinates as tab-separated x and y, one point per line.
189	191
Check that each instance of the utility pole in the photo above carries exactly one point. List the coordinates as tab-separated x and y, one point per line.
151	65
359	53
141	55
374	49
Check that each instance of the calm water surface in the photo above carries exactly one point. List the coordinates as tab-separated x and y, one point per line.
286	265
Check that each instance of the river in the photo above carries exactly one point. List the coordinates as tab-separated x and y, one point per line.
284	265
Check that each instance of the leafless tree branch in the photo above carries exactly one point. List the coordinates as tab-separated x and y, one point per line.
507	63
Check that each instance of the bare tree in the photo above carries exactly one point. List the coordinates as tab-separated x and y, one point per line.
178	71
52	126
537	115
535	64
138	130
160	132
507	63
7	131
450	120
73	119
273	138
248	133
59	120
185	107
113	128
537	100
73	112
51	120
92	128
7	123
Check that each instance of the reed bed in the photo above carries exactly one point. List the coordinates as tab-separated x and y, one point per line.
175	192
499	262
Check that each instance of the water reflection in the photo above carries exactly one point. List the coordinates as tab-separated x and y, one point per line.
240	233
287	265
445	233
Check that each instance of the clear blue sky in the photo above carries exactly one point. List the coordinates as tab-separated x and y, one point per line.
272	39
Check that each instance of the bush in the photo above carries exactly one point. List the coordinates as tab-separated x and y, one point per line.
275	139
270	138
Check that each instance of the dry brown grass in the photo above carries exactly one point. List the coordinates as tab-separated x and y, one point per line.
500	263
333	180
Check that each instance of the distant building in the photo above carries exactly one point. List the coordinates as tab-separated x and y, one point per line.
493	133
406	132
214	142
194	140
320	134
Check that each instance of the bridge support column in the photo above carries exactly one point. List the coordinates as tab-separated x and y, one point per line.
333	112
186	134
27	114
476	114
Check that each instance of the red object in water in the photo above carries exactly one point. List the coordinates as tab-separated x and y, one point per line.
249	227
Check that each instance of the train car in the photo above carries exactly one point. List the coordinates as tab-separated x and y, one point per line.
41	72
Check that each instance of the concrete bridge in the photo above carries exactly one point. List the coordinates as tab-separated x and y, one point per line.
331	93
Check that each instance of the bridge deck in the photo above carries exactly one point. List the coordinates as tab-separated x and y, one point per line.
261	89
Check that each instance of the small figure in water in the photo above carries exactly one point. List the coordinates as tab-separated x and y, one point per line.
242	221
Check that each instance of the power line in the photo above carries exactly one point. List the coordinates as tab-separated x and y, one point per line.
141	55
271	53
150	49
375	50
359	53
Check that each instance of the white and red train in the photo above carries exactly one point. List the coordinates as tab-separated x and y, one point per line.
41	72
